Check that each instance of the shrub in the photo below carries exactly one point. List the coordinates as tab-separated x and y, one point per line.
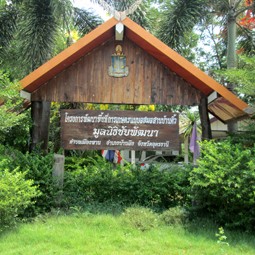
99	181
16	194
223	183
140	218
38	168
40	171
15	123
174	216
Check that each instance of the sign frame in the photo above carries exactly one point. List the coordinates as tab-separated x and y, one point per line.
119	130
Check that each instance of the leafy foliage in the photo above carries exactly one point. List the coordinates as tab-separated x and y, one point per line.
183	16
16	194
14	127
39	24
140	218
139	16
85	21
223	183
244	76
246	137
30	31
179	18
38	168
8	14
221	237
174	216
187	120
97	181
247	42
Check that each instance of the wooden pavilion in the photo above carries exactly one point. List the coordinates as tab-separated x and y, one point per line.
154	74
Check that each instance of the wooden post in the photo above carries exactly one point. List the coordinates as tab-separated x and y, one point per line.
58	175
40	112
58	170
204	117
186	149
143	155
132	157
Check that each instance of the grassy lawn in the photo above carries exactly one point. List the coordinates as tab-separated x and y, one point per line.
87	233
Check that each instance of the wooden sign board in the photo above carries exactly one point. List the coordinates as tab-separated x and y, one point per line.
122	130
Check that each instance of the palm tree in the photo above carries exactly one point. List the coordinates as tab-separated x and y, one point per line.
187	120
137	14
32	28
181	16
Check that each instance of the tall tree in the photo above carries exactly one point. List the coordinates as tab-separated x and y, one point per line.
33	26
135	9
181	16
244	76
30	29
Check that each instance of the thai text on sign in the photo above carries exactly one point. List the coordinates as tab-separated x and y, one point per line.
119	130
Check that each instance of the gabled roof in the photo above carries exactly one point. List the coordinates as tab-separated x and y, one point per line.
171	59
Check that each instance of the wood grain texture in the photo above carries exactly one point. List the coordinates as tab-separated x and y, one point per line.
148	82
126	130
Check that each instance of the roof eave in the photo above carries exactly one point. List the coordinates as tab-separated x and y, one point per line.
67	57
178	64
143	39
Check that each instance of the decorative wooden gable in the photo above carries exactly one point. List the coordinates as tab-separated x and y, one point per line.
156	74
148	81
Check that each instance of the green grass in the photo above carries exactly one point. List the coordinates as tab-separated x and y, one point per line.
87	233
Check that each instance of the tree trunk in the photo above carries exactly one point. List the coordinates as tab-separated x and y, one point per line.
231	52
40	113
204	117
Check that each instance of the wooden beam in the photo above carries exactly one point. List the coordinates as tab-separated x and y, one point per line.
67	57
40	112
177	63
204	117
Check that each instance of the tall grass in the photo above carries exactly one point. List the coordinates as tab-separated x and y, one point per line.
89	233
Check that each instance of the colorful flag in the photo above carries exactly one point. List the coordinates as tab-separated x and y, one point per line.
117	157
112	156
194	146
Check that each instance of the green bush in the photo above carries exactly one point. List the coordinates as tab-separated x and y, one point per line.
16	194
38	167
140	218
99	181
223	184
15	122
174	216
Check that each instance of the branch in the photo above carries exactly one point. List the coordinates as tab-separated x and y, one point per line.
243	10
133	7
237	3
106	6
215	45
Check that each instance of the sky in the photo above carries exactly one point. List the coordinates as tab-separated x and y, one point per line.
86	4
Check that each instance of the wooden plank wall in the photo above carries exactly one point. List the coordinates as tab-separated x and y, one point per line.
148	82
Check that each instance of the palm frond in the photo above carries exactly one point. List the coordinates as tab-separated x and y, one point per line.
85	20
139	15
247	41
8	17
179	17
218	7
118	5
38	28
63	11
187	120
